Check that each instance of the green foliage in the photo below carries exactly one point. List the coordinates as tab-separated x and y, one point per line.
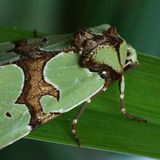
103	127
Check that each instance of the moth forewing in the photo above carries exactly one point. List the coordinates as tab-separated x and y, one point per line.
14	118
57	42
76	84
5	46
5	56
99	30
123	52
107	55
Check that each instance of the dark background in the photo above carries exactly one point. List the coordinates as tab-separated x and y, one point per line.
136	20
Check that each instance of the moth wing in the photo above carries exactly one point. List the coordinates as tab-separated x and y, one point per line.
57	42
123	52
76	84
5	56
99	30
108	56
14	118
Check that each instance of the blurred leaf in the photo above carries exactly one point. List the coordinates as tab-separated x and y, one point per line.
102	126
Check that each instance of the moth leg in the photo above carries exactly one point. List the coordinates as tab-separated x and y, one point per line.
122	107
76	119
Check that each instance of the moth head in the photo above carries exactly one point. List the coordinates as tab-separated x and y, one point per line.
131	58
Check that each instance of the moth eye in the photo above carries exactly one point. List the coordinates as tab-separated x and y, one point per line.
8	114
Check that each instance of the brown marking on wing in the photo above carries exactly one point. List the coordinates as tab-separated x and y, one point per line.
87	43
32	62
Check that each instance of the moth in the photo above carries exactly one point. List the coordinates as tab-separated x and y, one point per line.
53	78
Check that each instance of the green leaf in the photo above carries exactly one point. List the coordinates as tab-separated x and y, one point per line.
102	126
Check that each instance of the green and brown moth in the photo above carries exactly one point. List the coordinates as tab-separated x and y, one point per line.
53	78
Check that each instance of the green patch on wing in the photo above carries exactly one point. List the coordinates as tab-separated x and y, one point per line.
99	29
76	84
108	56
123	52
14	118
